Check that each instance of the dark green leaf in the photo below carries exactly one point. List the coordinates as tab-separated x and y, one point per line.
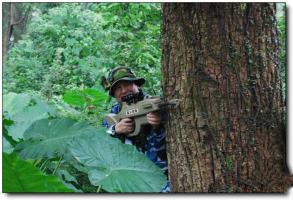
24	109
22	176
49	138
116	166
80	98
8	138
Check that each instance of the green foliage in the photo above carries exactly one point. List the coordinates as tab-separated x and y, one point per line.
135	28
49	138
6	123
22	176
55	55
8	142
92	103
6	146
87	98
117	167
64	147
68	46
281	20
23	110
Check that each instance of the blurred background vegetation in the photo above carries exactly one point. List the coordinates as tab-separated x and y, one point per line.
64	48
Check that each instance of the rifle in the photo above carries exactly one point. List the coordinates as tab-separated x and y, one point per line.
137	110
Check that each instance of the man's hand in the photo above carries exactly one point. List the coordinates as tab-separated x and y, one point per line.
125	126
154	118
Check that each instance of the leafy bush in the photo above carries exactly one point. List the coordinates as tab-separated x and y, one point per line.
54	55
69	46
132	38
85	158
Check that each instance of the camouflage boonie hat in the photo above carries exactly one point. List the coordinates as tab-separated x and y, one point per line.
118	74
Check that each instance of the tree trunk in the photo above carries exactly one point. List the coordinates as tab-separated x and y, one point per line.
16	18
228	134
6	8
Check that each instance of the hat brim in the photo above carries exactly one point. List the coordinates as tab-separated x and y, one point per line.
138	81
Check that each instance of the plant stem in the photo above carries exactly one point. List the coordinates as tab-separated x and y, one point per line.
59	162
36	162
99	188
43	166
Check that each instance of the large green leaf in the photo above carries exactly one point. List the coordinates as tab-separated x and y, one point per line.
24	109
22	176
6	146
117	167
49	138
86	97
8	141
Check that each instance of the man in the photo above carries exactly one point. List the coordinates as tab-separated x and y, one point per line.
121	82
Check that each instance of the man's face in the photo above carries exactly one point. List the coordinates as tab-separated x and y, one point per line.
123	88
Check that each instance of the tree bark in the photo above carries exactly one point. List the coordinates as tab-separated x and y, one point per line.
16	19
5	26
228	134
